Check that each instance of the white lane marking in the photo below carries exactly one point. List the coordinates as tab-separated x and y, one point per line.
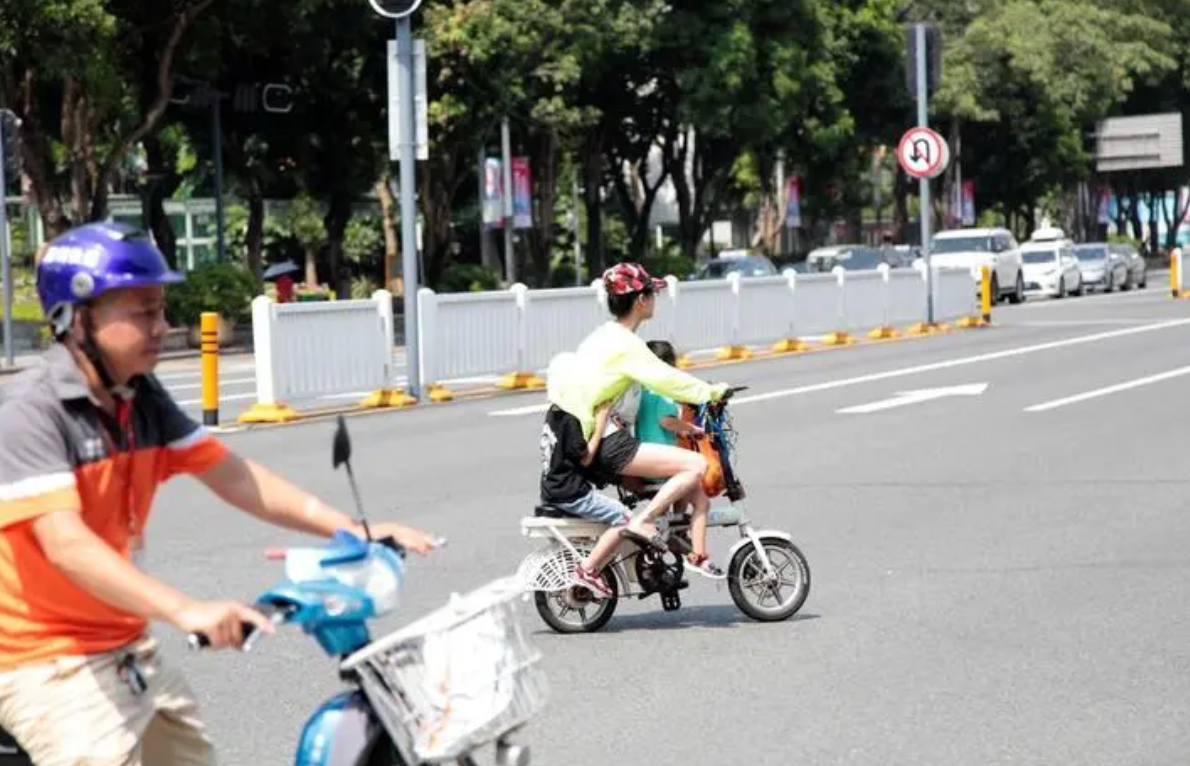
916	370
197	374
222	382
992	356
1083	322
904	398
1108	390
232	398
531	409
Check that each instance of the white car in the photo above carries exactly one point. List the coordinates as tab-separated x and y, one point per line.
1051	269
974	248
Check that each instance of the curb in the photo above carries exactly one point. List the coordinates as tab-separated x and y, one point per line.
860	340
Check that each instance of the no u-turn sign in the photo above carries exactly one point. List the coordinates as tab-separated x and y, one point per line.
923	153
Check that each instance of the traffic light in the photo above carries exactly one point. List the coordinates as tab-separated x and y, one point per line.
395	9
10	153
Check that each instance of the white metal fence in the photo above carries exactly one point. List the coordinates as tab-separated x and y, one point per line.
306	351
519	330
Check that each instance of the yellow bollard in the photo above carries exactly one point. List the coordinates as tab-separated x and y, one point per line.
210	368
1174	278
985	292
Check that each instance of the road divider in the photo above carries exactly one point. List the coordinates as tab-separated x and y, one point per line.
311	351
512	333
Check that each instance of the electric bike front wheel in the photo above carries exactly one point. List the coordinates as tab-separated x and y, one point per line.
385	754
576	609
765	598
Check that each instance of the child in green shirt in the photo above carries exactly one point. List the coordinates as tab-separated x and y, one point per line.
658	421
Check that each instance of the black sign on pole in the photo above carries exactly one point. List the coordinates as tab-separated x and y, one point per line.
395	9
933	59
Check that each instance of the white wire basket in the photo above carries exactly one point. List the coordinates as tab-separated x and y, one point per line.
457	679
551	568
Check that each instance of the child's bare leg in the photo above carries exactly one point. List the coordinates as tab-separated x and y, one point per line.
603	551
701	506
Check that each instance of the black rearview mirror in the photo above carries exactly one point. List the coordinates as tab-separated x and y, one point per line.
342	448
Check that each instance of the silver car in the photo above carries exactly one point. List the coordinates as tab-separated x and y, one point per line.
1138	270
1101	269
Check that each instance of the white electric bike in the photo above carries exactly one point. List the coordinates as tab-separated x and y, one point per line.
768	577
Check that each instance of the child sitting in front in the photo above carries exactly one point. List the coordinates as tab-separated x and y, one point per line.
658	422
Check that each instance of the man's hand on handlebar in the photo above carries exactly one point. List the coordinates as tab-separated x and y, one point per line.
408	538
221	623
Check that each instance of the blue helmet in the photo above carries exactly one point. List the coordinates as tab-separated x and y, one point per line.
90	260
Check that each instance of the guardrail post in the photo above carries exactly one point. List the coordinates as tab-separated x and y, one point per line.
429	346
885	330
790	343
388	395
840	337
734	349
521	378
209	344
922	327
267	409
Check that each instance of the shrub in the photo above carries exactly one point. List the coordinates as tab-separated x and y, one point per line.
468	277
220	287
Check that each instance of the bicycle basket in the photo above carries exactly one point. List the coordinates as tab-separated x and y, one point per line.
458	678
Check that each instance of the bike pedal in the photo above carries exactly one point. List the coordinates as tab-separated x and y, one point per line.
671	601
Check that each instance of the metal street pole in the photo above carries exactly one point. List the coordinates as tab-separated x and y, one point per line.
220	244
5	253
408	205
924	183
509	254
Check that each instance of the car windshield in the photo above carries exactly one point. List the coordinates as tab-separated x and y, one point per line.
1090	252
982	244
746	267
1039	256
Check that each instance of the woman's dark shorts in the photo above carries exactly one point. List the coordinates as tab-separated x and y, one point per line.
614	455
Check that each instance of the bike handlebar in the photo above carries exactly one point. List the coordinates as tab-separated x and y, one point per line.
277	613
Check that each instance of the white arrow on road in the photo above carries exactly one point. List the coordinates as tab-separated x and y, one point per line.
916	397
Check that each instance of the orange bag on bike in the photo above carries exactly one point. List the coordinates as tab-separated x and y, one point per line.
713	482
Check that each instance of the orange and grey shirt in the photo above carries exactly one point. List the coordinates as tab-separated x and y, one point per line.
60	451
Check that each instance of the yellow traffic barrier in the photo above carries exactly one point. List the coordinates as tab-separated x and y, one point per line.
733	352
838	338
520	381
790	346
209	345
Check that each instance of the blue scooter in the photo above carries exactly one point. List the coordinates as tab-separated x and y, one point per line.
437	691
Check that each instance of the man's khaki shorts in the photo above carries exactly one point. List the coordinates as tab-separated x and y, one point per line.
80	711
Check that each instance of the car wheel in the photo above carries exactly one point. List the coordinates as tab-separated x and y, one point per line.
1018	295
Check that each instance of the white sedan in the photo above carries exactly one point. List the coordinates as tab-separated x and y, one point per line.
1051	269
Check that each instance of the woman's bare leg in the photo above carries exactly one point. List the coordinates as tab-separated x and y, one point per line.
684	470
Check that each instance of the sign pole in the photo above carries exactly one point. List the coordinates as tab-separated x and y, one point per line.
408	205
6	258
924	182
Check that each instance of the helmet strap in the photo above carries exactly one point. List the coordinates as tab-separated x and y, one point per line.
91	350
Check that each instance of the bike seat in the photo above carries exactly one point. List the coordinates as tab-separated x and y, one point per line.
551	511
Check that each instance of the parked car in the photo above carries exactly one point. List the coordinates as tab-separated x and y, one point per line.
1138	270
974	248
1051	269
856	258
1101	271
741	262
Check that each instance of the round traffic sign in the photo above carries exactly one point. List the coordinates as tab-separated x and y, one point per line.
923	153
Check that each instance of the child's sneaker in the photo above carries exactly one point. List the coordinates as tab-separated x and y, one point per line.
702	564
591	582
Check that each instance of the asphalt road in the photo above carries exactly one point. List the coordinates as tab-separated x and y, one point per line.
990	584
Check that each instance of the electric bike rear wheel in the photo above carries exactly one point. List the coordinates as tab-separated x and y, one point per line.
589	612
761	597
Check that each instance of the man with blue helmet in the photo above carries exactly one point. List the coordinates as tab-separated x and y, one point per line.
87	439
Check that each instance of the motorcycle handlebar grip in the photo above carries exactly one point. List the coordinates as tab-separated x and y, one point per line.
271	611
